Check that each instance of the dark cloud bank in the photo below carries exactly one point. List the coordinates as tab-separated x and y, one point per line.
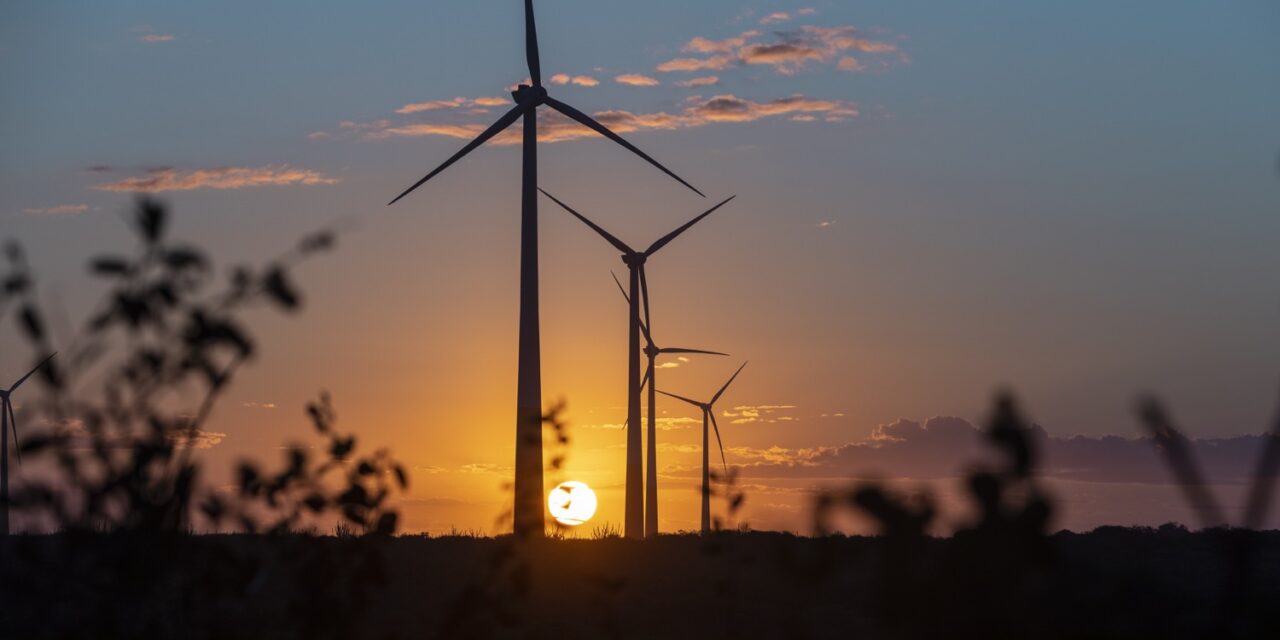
945	447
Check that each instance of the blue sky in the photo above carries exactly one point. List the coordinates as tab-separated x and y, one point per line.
1077	200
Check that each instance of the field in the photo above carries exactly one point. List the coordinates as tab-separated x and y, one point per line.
1110	583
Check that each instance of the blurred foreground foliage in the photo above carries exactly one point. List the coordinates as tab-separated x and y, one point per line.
112	469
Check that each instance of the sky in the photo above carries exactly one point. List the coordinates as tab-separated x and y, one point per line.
1074	201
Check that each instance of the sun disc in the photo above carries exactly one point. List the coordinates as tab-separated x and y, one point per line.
572	503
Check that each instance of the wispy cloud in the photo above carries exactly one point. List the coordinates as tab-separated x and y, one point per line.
703	81
169	179
673	364
582	81
786	51
483	467
747	413
663	424
59	210
152	38
775	17
258	405
455	103
636	80
698	111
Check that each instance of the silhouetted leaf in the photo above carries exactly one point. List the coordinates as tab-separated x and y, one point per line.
16	283
152	218
110	266
280	289
386	524
31	323
401	476
315	502
319	241
342	447
185	258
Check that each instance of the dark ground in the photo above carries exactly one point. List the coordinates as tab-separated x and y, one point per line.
1111	583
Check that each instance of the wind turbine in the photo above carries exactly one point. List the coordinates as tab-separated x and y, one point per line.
633	520
652	351
708	410
529	512
8	424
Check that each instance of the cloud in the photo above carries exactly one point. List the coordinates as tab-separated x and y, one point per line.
258	405
714	63
169	179
582	81
59	210
700	44
730	108
152	38
680	360
746	414
807	11
554	127
704	81
483	467
662	423
636	80
786	51
775	17
200	439
455	103
850	63
944	447
181	436
823	225
430	468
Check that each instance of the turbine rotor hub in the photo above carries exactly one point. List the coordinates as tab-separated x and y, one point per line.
633	259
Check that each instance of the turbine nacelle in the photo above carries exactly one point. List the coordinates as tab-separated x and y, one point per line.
634	259
525	94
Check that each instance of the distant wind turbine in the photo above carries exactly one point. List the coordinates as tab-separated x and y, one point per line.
652	351
9	424
708	410
529	512
634	519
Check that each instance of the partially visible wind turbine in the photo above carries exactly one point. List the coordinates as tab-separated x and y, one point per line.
9	424
708	410
652	351
528	513
633	521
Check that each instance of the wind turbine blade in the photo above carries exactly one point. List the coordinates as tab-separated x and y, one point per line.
620	245
644	297
37	368
718	441
531	45
692	402
13	424
646	378
726	385
620	287
682	350
497	127
644	326
662	242
590	123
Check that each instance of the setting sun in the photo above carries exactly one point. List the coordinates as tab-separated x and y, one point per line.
572	503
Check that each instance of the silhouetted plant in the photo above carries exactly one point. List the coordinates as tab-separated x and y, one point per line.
126	404
1240	546
986	578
